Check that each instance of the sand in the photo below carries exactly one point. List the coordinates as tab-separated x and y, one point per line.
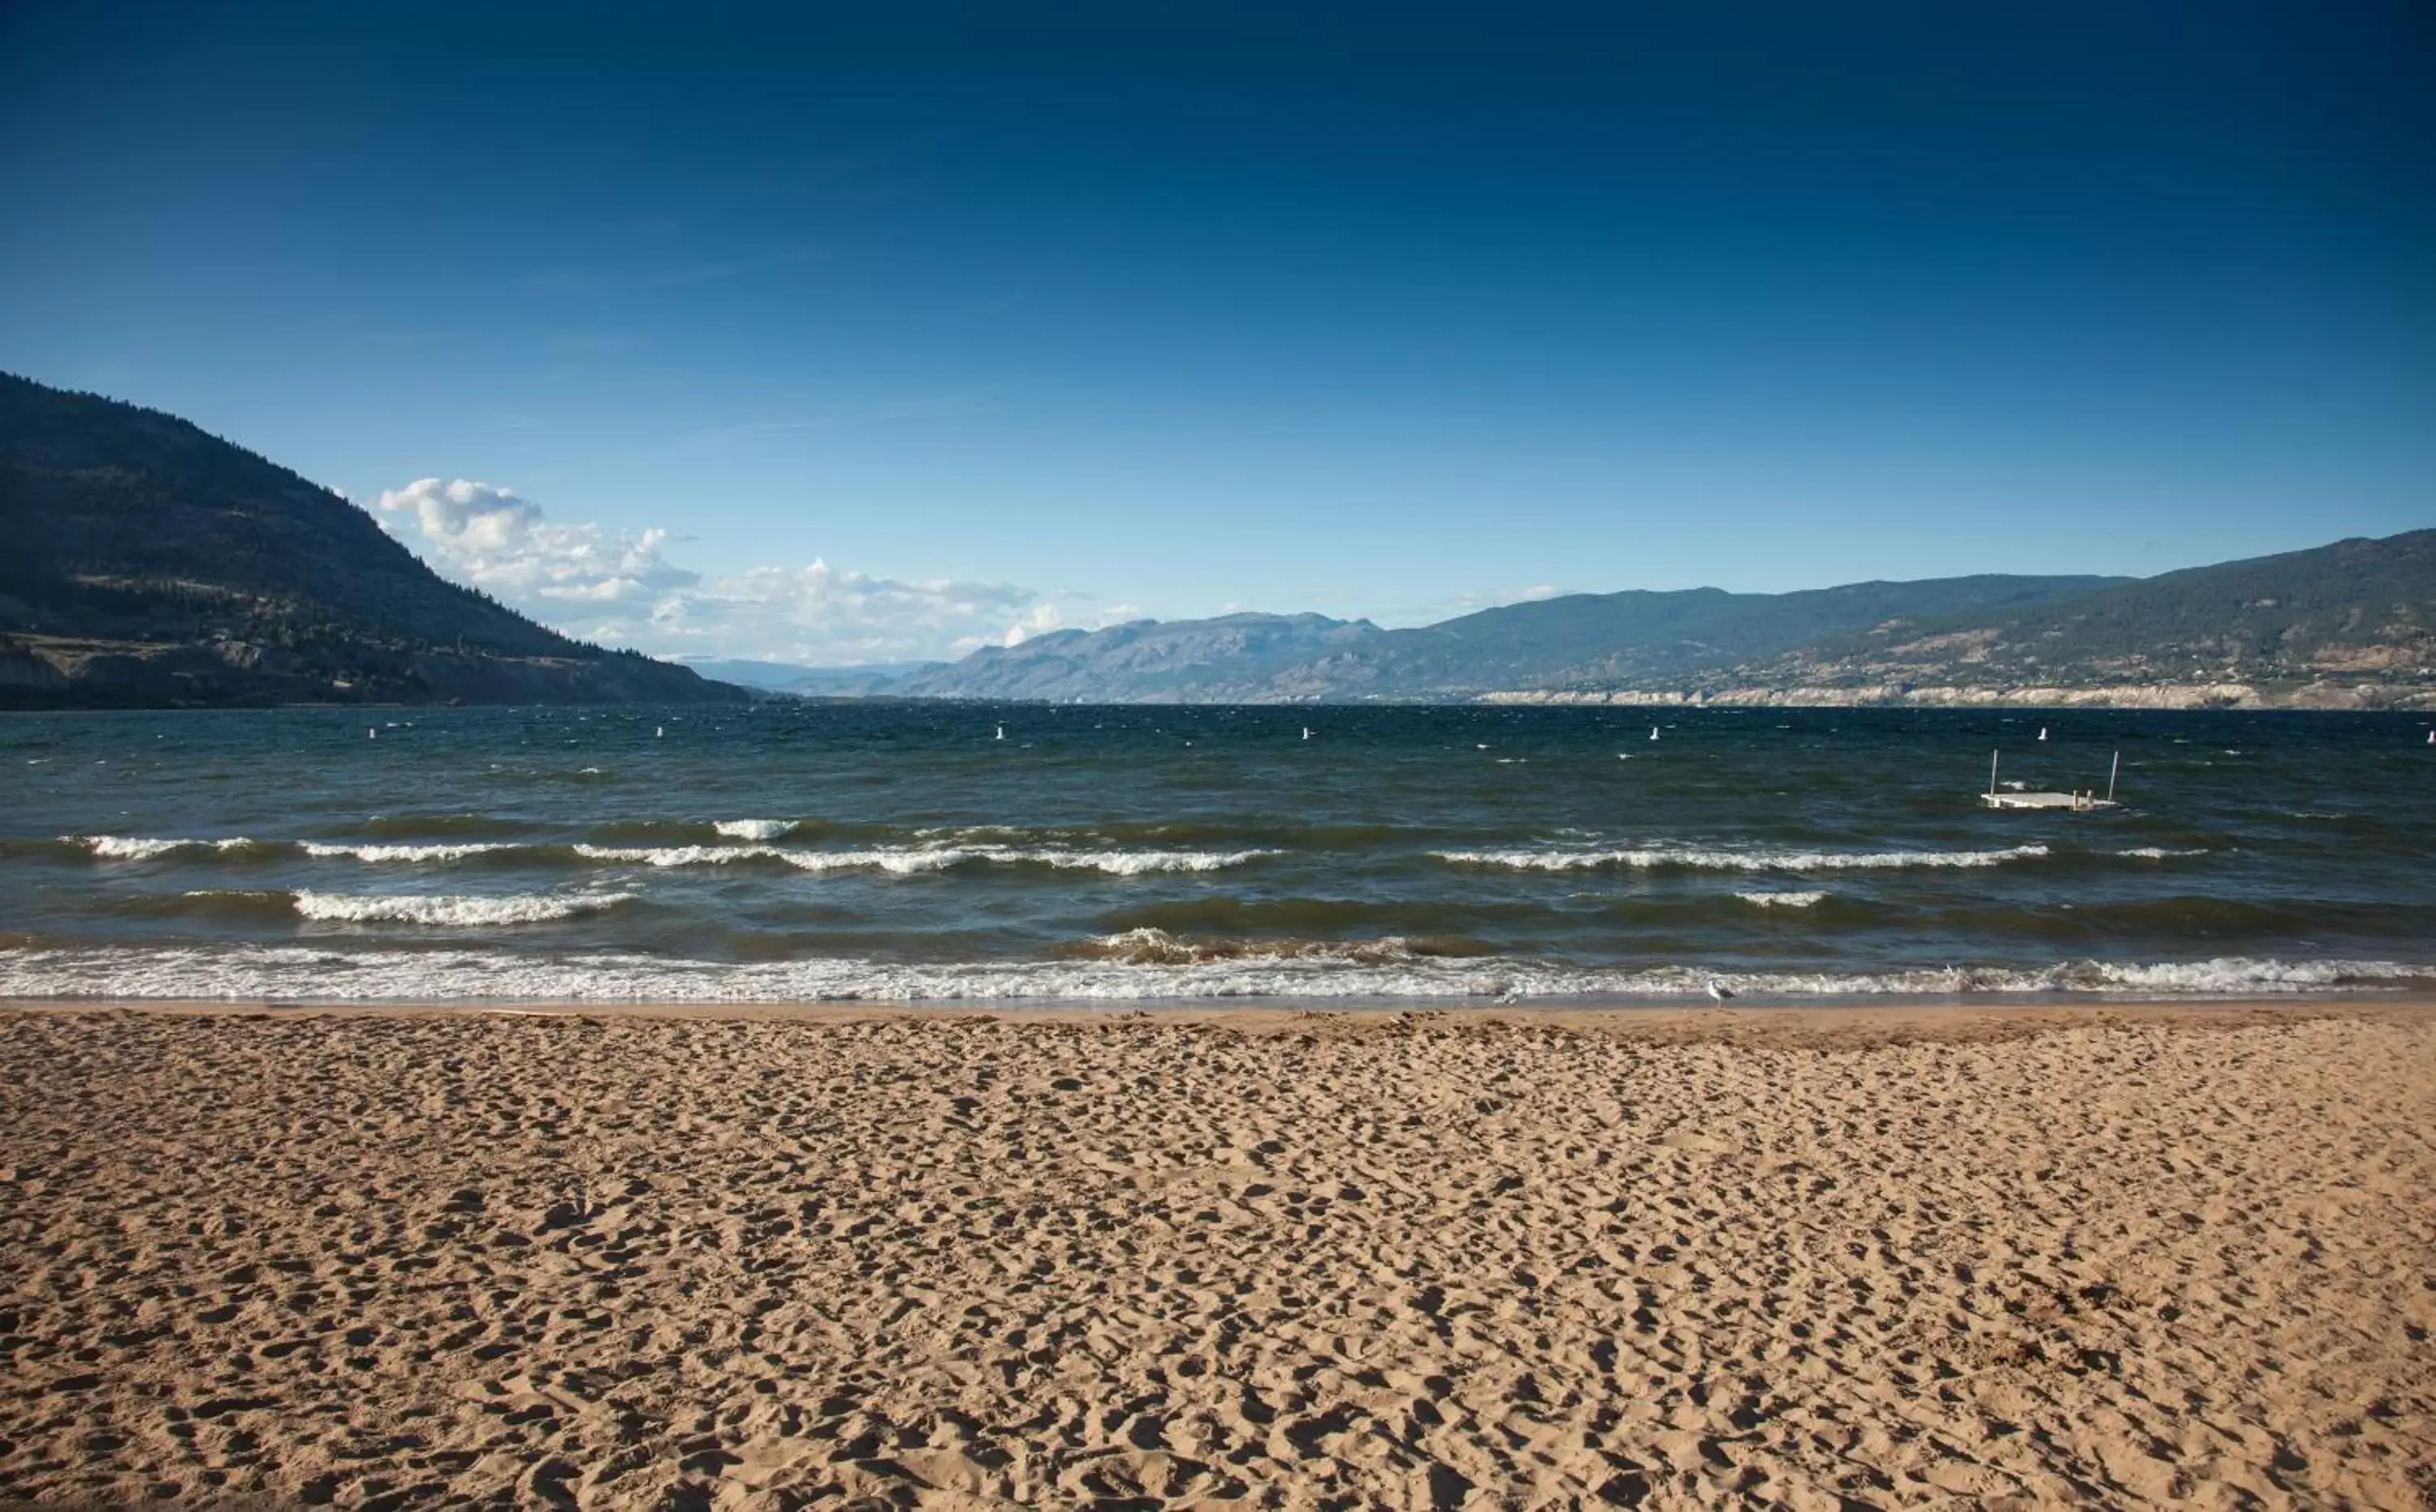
1816	1260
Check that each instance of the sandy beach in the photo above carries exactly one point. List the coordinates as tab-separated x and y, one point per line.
1818	1259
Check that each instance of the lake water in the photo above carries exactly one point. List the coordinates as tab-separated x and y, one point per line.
910	852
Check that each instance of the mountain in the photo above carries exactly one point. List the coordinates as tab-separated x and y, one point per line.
2347	625
816	682
1235	659
2262	630
1638	637
153	564
1570	640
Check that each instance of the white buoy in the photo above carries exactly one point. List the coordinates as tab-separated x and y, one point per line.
371	734
659	732
2043	732
1306	732
1653	732
2431	738
1002	732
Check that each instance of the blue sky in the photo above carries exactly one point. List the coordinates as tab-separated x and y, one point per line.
1010	317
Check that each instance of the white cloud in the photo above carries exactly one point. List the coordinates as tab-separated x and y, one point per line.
501	543
622	590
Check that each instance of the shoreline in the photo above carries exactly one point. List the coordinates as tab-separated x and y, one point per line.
1763	1022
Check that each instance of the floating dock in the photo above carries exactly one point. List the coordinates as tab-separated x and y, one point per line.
2073	802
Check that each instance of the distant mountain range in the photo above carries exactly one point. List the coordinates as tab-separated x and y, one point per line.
152	564
812	682
2347	625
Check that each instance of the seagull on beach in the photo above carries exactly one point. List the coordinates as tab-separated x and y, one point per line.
1718	994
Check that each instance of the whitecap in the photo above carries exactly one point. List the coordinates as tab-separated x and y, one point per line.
901	862
677	854
376	854
2159	853
1131	862
418	908
144	848
1698	859
1783	900
754	829
914	861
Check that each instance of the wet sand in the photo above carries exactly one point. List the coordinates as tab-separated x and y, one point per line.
722	1258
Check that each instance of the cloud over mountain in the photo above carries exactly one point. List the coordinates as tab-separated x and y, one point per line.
623	590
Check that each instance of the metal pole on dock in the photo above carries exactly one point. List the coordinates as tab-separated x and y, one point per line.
2111	773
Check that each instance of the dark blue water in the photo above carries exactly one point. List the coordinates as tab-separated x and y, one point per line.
820	852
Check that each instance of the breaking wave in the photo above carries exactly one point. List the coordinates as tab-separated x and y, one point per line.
144	848
754	829
1782	900
415	854
678	855
306	973
1156	948
411	907
1684	857
910	861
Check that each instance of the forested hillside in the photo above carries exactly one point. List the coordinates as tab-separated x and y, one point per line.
150	563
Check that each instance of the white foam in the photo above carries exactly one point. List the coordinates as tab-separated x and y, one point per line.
1783	900
2159	853
912	861
677	854
415	908
1155	946
379	854
255	972
754	829
1133	863
1700	859
141	849
900	861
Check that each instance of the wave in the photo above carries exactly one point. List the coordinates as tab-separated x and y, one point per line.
144	848
415	854
310	974
227	904
754	829
416	908
1219	833
421	824
679	855
910	861
1155	946
1700	859
1783	900
2160	853
1132	862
